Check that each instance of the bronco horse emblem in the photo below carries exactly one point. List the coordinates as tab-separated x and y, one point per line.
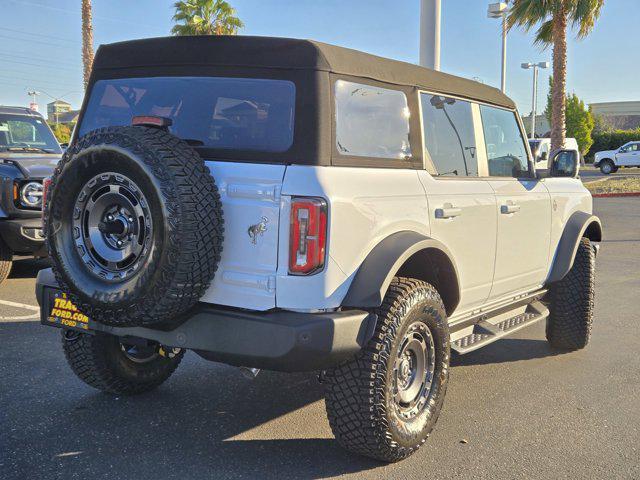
257	229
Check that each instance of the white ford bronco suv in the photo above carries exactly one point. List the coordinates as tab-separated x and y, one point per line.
290	205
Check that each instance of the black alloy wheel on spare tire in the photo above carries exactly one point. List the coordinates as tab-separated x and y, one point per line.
134	226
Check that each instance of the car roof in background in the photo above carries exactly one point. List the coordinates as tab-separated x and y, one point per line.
287	53
6	110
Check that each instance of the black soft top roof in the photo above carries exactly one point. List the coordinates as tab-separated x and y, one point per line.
287	53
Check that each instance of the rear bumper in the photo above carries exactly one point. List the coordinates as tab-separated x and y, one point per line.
23	235
275	340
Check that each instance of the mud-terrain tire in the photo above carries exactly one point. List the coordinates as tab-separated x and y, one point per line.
364	401
151	194
100	361
6	260
571	302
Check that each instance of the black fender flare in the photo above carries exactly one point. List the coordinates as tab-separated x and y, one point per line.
374	276
580	224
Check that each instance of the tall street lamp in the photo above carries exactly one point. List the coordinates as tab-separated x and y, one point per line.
499	10
534	101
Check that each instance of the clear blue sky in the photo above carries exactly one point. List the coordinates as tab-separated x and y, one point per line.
40	41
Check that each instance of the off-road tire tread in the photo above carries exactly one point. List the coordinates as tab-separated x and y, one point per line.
87	356
571	302
354	391
195	228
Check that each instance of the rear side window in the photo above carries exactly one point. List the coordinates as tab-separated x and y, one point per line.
506	151
211	112
371	121
449	136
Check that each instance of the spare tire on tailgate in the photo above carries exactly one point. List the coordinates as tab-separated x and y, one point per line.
134	226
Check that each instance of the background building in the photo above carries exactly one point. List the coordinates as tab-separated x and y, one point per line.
60	111
55	108
618	115
542	125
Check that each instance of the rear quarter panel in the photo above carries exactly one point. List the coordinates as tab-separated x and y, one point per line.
365	206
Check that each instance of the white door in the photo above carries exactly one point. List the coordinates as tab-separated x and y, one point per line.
523	209
523	205
629	155
462	214
462	206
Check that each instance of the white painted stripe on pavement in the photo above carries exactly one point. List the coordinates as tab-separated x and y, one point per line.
20	305
31	317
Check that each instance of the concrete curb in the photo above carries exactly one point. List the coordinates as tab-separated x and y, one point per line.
621	194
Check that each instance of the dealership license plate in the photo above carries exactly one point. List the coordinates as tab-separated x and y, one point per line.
63	313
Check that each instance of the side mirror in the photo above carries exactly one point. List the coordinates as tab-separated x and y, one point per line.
544	156
565	163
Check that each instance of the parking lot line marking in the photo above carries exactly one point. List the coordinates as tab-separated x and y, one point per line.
20	305
32	316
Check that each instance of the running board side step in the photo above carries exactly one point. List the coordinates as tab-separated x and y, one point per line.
488	330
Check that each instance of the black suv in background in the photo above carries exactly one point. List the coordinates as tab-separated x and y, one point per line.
28	153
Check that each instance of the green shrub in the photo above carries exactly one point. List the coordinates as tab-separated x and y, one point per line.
62	132
612	140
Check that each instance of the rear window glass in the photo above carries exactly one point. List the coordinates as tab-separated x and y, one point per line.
211	112
371	121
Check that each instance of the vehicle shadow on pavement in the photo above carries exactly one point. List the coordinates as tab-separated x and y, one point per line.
207	421
28	267
506	350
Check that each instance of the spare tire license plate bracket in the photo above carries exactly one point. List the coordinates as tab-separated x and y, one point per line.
62	313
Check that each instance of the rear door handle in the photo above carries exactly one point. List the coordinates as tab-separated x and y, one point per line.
510	207
448	211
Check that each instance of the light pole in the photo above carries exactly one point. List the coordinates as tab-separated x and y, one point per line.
534	101
430	33
34	99
499	10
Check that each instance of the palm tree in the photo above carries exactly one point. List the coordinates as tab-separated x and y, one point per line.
551	18
205	17
87	41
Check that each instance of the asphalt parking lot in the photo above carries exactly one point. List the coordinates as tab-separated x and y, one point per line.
516	409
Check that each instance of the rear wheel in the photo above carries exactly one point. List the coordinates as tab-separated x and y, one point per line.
385	402
571	302
112	366
6	260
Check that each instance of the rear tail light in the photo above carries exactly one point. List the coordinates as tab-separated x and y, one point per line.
308	237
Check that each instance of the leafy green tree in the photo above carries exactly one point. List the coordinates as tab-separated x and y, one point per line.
580	122
551	18
61	131
205	17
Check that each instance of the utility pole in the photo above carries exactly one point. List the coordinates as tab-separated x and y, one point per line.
430	14
34	101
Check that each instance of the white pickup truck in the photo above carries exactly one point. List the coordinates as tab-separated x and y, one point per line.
608	161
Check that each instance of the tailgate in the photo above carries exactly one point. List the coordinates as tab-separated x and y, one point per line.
250	194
